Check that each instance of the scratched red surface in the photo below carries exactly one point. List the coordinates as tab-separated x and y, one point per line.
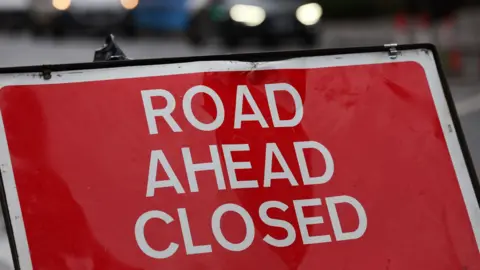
81	151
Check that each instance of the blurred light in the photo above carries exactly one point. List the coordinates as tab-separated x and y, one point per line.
61	4
248	15
129	4
309	14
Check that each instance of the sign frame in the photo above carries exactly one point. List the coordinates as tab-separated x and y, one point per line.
46	72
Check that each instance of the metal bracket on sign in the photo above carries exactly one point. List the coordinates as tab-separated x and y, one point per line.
392	50
46	74
110	51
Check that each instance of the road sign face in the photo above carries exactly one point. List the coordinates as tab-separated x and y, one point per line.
341	161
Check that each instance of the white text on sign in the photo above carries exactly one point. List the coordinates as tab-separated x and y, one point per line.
272	151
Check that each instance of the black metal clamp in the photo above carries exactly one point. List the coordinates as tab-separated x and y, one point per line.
110	51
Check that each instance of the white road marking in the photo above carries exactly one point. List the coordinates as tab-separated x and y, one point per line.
469	105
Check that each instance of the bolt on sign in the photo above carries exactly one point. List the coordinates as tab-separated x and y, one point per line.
335	159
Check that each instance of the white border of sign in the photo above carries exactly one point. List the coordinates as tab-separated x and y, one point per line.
423	57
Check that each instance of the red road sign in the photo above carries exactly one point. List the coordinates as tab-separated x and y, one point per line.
344	161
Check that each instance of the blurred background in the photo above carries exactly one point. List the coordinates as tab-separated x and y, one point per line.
34	32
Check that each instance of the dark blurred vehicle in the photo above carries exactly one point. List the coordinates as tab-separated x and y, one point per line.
269	20
199	22
60	17
161	15
13	14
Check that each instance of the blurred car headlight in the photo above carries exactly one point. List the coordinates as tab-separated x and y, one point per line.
61	4
248	15
129	4
309	14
